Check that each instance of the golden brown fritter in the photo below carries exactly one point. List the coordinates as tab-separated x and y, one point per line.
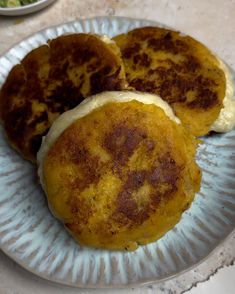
121	176
179	69
52	79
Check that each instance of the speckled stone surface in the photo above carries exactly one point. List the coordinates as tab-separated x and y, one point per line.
212	22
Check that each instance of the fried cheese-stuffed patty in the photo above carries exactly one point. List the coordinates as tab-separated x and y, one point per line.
119	170
52	79
181	71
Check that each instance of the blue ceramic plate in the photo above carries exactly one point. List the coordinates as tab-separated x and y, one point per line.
31	236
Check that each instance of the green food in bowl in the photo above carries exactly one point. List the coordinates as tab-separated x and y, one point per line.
15	3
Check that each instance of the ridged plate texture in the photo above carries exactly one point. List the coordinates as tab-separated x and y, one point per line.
31	236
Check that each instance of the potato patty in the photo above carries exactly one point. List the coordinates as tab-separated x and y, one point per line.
179	69
121	175
52	79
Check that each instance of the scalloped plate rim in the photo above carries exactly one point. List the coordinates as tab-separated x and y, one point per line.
121	286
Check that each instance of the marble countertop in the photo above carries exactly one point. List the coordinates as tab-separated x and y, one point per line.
211	22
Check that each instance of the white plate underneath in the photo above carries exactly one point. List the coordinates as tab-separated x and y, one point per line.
26	9
33	238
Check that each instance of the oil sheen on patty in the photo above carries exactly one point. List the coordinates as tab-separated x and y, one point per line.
119	170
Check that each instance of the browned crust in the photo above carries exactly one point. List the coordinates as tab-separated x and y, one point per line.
52	79
116	171
179	69
163	178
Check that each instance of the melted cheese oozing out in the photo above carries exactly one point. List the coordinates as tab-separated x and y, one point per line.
87	106
226	120
106	39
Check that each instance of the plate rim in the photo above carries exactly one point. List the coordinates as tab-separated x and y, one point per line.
82	19
119	286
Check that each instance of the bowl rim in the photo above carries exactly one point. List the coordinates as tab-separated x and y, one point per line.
24	7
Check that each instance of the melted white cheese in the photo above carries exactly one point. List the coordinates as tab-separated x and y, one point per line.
106	39
226	120
87	106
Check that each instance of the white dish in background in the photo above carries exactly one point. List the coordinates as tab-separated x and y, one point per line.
26	9
33	238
